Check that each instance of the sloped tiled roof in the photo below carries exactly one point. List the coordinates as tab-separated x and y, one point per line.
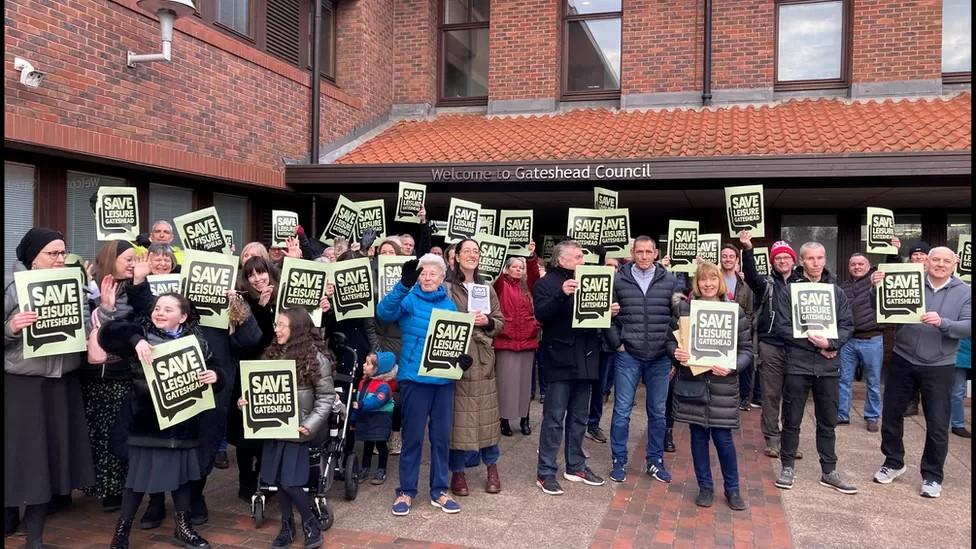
791	128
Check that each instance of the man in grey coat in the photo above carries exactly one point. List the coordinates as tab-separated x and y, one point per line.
924	358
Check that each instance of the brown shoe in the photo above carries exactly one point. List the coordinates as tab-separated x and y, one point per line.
459	484
771	451
799	455
494	484
872	426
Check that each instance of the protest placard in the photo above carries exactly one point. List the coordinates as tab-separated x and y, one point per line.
487	219
448	336
814	309
761	255
372	215
615	232
117	213
479	298
585	226
201	230
462	220
161	284
283	224
353	294
204	280
410	200
270	388
709	247
389	270
965	252
302	286
745	210
56	296
683	245
516	226
604	199
438	228
714	335
175	389
229	248
593	296
493	250
901	294
342	224
880	229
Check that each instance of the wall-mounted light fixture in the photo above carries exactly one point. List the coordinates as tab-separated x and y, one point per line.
167	11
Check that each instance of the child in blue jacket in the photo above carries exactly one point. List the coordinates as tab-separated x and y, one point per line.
374	411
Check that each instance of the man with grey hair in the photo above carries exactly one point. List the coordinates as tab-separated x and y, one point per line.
812	364
407	243
924	358
865	348
161	233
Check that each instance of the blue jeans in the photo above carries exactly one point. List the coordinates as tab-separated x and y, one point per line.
724	447
869	353
958	411
598	390
569	399
459	459
431	408
627	375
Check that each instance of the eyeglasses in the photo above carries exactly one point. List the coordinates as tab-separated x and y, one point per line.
55	255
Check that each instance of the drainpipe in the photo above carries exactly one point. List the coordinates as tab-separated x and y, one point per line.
707	69
316	98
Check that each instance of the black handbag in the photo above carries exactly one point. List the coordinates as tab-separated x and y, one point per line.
690	391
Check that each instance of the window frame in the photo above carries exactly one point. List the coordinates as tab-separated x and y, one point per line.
845	51
566	18
442	29
328	65
959	77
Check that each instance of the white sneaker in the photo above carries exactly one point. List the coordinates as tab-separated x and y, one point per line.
930	489
885	474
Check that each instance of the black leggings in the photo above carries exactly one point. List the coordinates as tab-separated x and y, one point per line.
131	501
289	496
384	450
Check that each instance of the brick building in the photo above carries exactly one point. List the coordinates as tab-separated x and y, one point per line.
833	105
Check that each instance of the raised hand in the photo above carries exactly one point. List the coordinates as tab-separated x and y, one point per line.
745	238
108	288
266	295
22	320
141	270
294	248
144	352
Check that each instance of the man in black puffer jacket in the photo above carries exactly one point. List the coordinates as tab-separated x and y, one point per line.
812	365
639	333
866	347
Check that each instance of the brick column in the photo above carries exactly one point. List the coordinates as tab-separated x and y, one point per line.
524	56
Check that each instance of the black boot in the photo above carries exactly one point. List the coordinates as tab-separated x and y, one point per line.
155	512
34	517
199	514
11	520
313	533
185	535
524	426
668	441
120	539
506	428
58	503
111	504
286	535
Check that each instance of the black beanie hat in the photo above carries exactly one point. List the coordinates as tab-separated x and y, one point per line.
33	242
123	245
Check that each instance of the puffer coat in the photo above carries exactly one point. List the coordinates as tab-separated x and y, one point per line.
521	332
642	324
411	308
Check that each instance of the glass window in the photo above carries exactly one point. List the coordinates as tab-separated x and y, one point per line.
18	210
233	216
592	46
810	41
80	215
958	224
799	229
957	36
328	38
235	14
166	202
908	229
464	51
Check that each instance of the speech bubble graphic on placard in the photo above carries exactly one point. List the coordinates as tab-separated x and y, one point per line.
715	335
463	223
285	224
745	211
812	309
276	406
58	314
410	203
177	382
593	297
353	290
966	260
901	293
684	249
881	231
762	261
303	289
492	259
446	342
118	213
205	235
207	285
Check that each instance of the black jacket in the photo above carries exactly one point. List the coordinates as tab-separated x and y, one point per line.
132	302
801	356
644	320
861	295
765	290
568	354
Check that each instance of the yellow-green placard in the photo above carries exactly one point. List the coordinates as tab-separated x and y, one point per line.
965	252
410	200
709	247
494	250
353	294
585	226
229	242
615	232
516	226
683	245
438	228
448	336
302	286
372	215
117	213
881	229
342	223
814	309
270	388
161	284
174	385
761	255
283	224
201	230
462	220
745	210
205	279
604	199
593	296
487	219
389	270
714	336
900	296
56	296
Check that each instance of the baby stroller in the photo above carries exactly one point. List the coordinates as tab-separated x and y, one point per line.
328	459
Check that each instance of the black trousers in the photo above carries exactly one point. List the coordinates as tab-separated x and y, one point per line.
904	381
826	395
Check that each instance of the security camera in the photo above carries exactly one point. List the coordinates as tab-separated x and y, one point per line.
29	76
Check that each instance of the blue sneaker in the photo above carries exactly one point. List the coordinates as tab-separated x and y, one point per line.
618	473
446	503
658	471
401	507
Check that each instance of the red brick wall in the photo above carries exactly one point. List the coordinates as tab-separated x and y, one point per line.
524	46
415	54
897	40
662	46
742	44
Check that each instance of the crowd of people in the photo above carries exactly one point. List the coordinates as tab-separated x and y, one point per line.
96	407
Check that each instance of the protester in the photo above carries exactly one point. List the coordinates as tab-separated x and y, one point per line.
389	247
924	359
374	412
515	346
161	233
738	291
162	260
709	402
437	250
252	249
865	349
277	253
639	333
285	463
160	460
427	402
46	448
407	242
812	364
964	364
571	364
918	252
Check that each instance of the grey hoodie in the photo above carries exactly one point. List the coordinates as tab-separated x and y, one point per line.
927	345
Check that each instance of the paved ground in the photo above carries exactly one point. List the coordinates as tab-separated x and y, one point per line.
637	513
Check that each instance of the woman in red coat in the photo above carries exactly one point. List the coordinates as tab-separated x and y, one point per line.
515	346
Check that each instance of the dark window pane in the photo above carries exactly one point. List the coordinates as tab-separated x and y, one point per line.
594	55
234	14
465	68
810	41
577	7
328	39
465	11
957	36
